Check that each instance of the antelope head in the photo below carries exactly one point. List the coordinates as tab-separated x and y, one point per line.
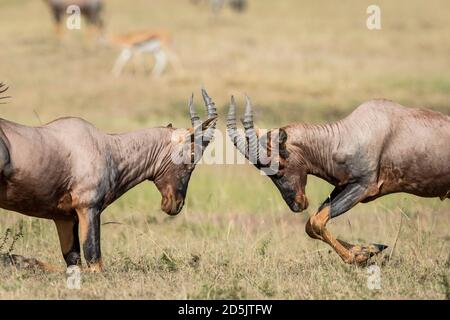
270	153
186	148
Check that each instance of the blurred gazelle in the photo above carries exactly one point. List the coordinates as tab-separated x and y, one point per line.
134	44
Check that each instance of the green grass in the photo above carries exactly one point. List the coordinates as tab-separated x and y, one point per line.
235	238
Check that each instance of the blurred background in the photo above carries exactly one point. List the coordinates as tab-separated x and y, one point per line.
299	61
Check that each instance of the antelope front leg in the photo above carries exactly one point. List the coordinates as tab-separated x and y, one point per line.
89	220
341	202
69	241
121	61
316	229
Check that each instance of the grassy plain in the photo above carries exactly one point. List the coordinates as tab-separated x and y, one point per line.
311	61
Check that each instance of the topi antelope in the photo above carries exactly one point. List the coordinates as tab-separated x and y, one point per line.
69	171
90	9
134	44
380	148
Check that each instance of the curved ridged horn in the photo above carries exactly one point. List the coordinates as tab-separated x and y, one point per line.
250	132
1	86
194	116
3	89
212	113
238	141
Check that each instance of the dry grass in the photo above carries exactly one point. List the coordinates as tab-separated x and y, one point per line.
300	61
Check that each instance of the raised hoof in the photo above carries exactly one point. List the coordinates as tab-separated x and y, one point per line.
361	254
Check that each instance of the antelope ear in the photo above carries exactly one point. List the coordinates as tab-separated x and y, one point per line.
169	126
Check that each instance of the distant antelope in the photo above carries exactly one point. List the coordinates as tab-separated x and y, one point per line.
380	148
69	171
217	5
134	44
90	9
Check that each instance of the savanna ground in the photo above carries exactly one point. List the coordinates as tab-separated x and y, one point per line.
311	61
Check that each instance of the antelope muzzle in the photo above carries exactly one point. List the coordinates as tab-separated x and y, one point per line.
171	205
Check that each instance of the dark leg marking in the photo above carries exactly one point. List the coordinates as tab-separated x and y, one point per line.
90	237
346	198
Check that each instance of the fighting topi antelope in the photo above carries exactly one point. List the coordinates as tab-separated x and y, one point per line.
69	171
380	148
90	9
135	44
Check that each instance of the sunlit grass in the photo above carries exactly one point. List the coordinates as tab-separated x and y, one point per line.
236	238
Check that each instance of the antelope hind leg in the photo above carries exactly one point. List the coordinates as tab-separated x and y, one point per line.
160	63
